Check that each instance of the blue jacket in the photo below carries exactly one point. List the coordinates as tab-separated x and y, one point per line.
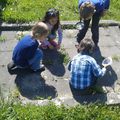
100	5
24	51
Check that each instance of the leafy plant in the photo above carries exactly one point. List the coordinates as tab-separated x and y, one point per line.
64	56
21	34
53	112
116	58
2	38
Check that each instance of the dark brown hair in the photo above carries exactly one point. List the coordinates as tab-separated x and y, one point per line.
86	45
86	10
51	13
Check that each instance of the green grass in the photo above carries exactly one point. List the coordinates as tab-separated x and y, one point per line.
2	38
116	58
34	10
52	112
64	56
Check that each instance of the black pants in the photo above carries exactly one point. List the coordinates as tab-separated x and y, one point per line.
94	28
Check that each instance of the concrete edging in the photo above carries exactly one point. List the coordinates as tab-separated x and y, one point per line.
65	25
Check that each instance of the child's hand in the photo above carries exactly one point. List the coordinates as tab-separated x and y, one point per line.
58	46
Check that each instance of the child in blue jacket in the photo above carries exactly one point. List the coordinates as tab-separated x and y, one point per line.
26	54
91	9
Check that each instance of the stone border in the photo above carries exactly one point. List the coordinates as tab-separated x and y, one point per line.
65	25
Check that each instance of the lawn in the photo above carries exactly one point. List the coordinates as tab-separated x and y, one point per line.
34	10
10	111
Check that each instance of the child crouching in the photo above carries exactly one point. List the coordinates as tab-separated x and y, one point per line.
26	54
84	69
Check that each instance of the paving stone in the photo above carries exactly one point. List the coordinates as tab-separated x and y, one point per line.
55	81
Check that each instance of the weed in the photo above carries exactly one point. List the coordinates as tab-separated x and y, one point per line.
2	38
64	56
116	58
33	10
21	34
39	98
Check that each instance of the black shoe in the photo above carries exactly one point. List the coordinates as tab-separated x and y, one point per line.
40	70
12	68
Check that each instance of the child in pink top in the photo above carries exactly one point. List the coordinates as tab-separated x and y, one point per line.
51	18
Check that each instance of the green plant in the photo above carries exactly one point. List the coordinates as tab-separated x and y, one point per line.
21	34
64	56
53	112
39	98
2	38
49	98
19	11
116	58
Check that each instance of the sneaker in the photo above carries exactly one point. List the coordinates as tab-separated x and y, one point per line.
12	68
42	68
97	89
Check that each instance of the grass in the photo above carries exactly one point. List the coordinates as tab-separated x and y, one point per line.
2	38
64	56
34	10
116	58
52	112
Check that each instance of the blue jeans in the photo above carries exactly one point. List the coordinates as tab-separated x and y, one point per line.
94	28
35	61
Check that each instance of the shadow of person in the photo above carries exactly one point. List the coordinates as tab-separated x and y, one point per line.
87	97
53	61
110	77
32	86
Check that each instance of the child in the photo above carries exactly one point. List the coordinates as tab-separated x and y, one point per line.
83	68
51	18
26	54
92	9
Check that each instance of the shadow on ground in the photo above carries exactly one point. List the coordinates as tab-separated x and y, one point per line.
53	61
107	80
33	86
110	77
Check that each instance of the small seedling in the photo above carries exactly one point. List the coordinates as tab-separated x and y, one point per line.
21	34
2	38
15	93
49	98
64	56
116	58
39	98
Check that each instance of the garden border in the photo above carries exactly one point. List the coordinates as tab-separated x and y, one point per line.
65	25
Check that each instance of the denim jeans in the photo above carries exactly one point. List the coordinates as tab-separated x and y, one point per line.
35	62
94	28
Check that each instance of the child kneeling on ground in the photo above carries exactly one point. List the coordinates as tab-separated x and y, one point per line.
52	19
84	69
26	54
